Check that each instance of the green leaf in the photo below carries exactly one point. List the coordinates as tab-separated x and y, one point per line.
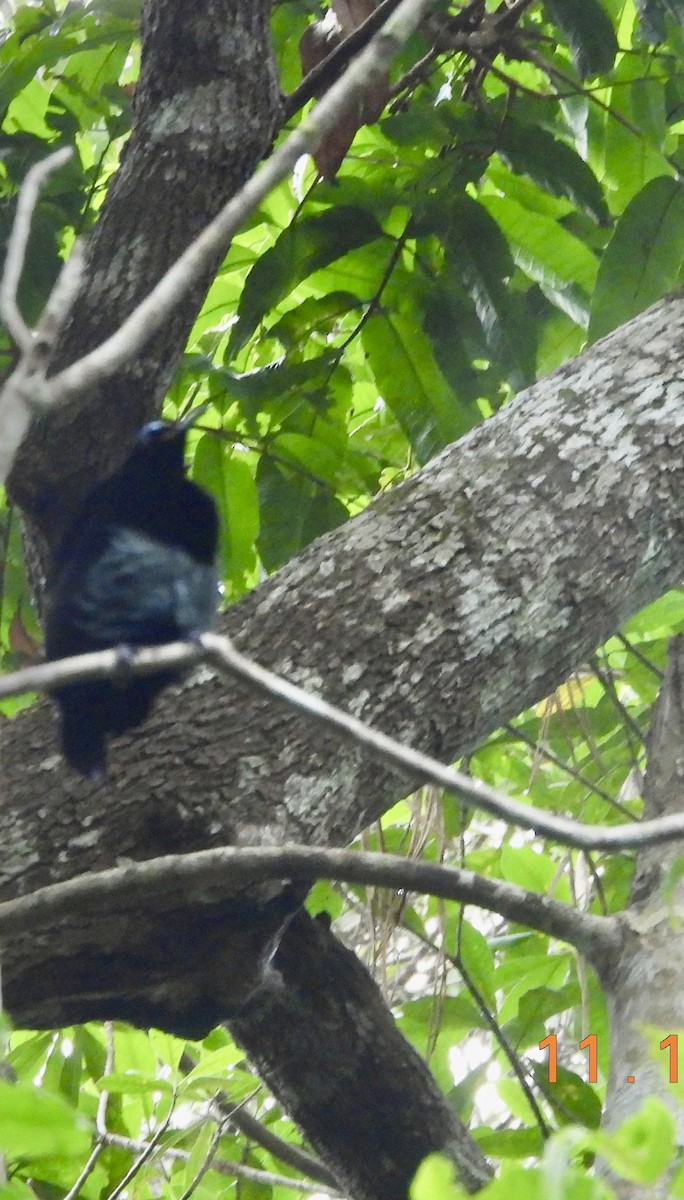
534	1010
293	511
643	259
28	1050
316	315
411	384
560	263
28	51
312	455
644	1145
217	1062
277	387
455	337
572	1098
531	870
588	32
633	143
16	1189
434	1178
133	1083
478	256
553	165
478	959
510	1143
35	1124
227	476
522	974
302	248
419	125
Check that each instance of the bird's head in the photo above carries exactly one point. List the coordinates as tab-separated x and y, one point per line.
156	432
160	445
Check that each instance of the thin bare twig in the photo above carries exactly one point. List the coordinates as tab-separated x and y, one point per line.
605	679
206	1162
241	1119
493	1025
103	1103
642	658
220	1165
16	250
146	1153
540	747
88	1169
24	390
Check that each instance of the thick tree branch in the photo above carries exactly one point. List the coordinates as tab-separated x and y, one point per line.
485	580
322	1037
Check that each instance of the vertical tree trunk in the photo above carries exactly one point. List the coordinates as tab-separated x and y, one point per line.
646	991
323	1039
206	107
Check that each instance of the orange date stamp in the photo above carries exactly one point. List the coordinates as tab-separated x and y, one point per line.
590	1044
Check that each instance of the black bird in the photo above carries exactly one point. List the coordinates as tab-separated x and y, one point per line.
136	567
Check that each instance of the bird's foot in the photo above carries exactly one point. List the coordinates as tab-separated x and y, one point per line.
125	657
96	775
194	637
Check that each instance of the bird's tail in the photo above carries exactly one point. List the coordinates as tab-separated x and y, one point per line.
83	738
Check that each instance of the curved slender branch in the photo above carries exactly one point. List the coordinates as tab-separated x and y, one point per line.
229	870
237	1115
416	766
16	250
31	387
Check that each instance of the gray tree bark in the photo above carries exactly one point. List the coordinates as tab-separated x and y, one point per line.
439	613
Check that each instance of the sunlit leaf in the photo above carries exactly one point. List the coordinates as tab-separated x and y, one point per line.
304	247
644	258
35	1124
589	32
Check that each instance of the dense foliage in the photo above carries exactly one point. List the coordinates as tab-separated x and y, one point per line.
501	214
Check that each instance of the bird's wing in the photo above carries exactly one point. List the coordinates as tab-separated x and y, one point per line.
133	589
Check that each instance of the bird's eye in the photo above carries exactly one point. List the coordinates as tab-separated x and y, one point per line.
153	431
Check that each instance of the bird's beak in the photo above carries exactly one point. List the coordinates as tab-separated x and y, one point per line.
189	421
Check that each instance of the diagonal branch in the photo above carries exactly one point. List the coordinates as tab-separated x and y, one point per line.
420	767
150	315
